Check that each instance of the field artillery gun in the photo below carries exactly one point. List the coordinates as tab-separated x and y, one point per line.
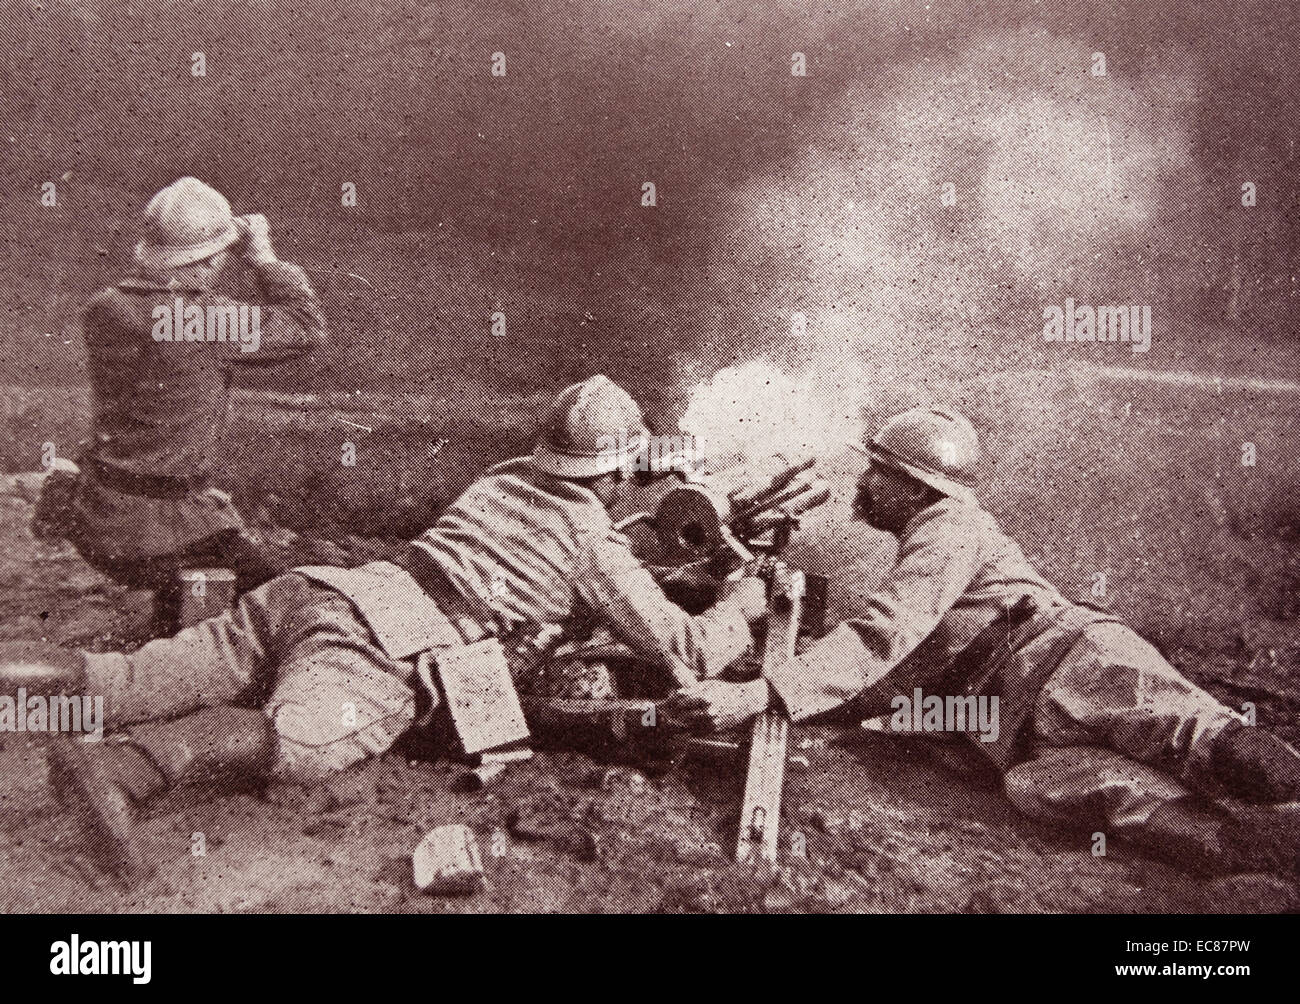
724	526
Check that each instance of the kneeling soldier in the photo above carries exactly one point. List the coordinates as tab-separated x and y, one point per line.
1096	727
316	669
163	346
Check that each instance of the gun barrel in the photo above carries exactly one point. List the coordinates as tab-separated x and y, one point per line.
819	493
693	522
748	498
804	485
769	519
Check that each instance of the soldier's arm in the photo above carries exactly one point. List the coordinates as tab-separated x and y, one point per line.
622	593
935	565
292	322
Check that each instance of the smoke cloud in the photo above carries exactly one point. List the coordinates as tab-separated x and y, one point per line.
754	411
947	200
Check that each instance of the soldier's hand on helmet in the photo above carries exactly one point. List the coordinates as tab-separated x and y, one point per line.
718	706
748	594
255	230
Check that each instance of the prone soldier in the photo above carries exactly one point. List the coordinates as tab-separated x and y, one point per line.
1096	727
318	668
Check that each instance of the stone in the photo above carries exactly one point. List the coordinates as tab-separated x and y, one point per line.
447	862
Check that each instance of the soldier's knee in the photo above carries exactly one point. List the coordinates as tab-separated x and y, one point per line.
312	747
305	765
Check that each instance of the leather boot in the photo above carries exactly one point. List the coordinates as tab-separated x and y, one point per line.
1255	765
104	783
1187	833
1197	837
40	668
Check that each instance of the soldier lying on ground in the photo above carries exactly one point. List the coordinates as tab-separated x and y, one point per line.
144	507
1096	727
527	547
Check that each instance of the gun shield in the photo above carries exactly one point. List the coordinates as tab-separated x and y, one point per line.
689	522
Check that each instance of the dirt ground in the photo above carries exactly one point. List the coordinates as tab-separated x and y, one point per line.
871	823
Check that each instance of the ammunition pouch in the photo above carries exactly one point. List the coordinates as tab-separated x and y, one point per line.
473	680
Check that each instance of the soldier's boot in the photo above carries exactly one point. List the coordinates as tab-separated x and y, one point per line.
40	668
1196	836
105	783
1187	833
1255	765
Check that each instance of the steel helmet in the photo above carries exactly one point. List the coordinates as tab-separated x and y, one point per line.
937	446
593	427
186	222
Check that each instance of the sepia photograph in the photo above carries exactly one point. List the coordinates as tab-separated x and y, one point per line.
669	457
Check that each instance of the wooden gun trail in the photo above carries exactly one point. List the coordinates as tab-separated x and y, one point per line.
760	813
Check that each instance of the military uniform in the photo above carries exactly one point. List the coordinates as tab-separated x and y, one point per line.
318	668
329	652
1094	721
142	507
144	504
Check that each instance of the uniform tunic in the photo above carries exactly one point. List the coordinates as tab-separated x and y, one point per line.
327	651
1112	729
532	549
160	411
